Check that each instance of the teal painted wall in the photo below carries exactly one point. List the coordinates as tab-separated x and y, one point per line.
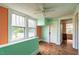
45	33
48	21
40	22
23	48
45	29
43	22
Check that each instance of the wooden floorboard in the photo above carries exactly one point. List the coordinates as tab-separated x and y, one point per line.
53	49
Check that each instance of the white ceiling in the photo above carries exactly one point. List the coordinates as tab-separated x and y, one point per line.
51	9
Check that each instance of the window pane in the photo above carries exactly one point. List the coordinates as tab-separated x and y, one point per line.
17	33
69	25
69	28
13	19
23	22
18	20
69	31
31	23
31	33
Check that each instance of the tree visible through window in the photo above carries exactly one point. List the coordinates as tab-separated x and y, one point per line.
18	27
17	33
22	28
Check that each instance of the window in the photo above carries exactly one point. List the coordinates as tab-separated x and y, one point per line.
18	20
69	28
18	27
17	33
31	28
22	28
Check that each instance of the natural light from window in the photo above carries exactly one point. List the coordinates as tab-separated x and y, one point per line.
22	28
69	28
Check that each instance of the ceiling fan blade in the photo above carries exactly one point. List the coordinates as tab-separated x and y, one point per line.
49	10
42	9
45	11
38	12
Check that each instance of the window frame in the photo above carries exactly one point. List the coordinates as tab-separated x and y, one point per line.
18	26
31	27
26	17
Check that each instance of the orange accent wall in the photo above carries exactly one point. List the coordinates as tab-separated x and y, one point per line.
3	25
39	31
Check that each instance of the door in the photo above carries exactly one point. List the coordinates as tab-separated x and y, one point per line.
3	25
39	32
53	33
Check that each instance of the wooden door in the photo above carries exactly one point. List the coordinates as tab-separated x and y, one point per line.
3	25
39	31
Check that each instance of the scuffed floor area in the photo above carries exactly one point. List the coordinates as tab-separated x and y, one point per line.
53	49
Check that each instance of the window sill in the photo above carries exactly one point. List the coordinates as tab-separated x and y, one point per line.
12	43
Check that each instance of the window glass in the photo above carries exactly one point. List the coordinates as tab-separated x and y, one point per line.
20	30
18	27
31	23
18	20
31	28
17	33
69	28
13	19
31	33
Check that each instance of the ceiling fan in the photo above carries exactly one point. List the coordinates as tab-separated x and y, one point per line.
43	9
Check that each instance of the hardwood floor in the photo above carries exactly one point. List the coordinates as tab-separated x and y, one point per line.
53	49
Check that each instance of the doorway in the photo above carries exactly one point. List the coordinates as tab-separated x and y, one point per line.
67	32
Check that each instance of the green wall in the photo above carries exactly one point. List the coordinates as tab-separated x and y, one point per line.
45	33
40	22
48	21
44	22
24	48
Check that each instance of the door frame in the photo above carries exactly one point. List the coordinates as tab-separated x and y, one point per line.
76	27
61	29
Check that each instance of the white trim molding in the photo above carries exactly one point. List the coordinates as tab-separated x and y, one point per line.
15	42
